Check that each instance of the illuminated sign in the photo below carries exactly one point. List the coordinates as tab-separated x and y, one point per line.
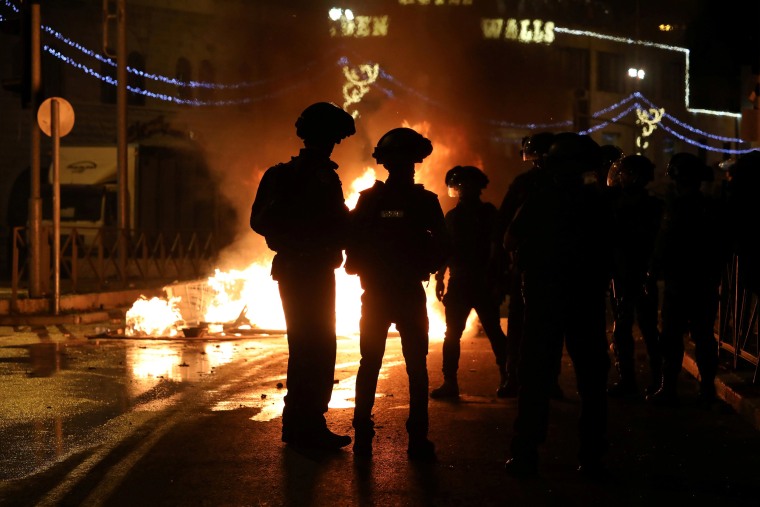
435	2
345	24
522	30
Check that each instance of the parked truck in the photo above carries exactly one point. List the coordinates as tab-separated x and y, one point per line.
170	190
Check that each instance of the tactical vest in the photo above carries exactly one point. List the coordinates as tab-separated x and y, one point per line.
397	234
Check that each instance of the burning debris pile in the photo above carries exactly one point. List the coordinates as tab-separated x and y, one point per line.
154	317
231	301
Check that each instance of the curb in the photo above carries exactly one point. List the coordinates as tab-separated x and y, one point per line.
747	407
74	308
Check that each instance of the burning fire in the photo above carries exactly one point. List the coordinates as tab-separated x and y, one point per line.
252	296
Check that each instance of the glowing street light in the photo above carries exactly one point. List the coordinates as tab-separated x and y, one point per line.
636	73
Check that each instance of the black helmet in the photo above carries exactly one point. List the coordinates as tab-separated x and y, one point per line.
402	145
638	167
466	174
573	154
745	172
687	168
325	121
536	146
610	154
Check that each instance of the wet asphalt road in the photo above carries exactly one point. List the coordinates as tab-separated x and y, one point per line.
123	422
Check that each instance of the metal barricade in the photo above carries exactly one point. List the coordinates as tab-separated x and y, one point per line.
737	323
90	260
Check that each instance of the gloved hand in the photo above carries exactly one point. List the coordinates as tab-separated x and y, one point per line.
440	289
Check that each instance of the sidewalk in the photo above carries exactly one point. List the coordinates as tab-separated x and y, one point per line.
74	308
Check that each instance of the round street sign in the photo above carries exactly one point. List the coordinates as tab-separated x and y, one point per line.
65	116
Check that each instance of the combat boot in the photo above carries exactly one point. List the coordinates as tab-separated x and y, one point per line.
655	367
449	389
363	442
507	385
624	387
665	396
421	449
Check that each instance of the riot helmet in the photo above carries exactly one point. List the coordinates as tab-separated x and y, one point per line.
325	121
687	169
402	145
635	171
465	178
536	147
573	155
610	154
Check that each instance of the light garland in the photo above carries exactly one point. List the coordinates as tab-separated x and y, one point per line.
704	146
615	119
168	98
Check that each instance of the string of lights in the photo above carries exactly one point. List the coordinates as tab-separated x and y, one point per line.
177	100
702	145
614	106
688	127
169	80
614	119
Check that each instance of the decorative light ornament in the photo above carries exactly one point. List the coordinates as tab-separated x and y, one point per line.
359	81
648	119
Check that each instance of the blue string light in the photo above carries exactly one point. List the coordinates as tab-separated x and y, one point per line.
688	127
165	79
615	119
702	145
168	98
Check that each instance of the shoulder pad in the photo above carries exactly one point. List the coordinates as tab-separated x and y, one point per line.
379	185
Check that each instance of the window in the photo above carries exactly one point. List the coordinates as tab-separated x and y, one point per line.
135	61
184	74
108	84
206	74
610	73
52	76
672	80
574	67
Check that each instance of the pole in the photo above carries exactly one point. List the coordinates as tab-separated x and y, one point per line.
55	122
121	133
35	201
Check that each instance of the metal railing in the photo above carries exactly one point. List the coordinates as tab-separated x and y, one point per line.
737	325
90	260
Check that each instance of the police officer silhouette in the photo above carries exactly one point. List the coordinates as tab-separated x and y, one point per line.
562	243
691	252
535	149
470	286
398	240
300	210
635	295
